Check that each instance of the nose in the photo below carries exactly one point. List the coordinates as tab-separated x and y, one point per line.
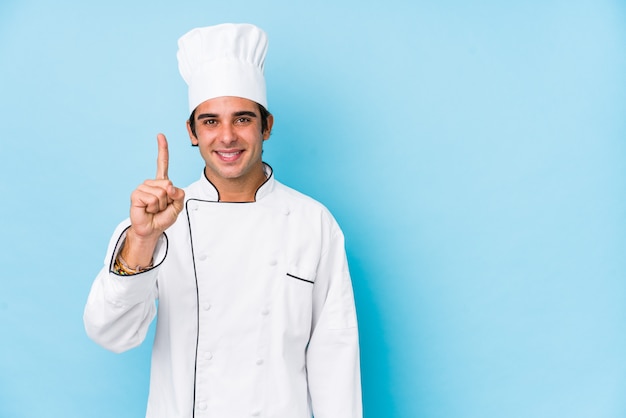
227	134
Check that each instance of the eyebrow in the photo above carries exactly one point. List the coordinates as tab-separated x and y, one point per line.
236	114
245	113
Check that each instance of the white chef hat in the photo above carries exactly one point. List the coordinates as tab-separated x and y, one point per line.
223	60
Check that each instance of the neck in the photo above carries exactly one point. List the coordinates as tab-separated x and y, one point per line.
239	189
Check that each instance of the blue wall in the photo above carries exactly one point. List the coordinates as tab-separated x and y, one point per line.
474	153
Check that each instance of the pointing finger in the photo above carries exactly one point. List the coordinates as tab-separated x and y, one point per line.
162	158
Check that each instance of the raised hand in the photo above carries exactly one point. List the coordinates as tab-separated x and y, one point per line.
154	207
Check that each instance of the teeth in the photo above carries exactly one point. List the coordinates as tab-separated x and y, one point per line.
228	154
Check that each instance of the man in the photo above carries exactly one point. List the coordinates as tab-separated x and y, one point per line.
256	313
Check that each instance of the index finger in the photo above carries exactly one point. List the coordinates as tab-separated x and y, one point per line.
162	158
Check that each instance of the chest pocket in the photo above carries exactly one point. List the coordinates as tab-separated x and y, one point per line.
302	252
296	303
300	278
297	277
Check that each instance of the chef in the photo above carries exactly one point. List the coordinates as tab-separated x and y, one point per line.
256	314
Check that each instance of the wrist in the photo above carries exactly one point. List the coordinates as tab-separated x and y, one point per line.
138	250
123	269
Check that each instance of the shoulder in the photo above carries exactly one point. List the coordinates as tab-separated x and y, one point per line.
296	198
301	204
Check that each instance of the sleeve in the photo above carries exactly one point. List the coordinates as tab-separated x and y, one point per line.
119	309
333	366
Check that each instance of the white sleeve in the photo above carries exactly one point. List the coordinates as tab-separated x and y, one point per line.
333	366
119	308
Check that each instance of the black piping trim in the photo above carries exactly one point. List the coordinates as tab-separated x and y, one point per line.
219	199
266	179
211	183
300	278
195	273
117	244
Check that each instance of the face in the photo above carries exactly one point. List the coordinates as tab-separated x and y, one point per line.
229	137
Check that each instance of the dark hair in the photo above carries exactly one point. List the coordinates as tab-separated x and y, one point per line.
265	114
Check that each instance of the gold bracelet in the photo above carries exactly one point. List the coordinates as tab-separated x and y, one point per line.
120	267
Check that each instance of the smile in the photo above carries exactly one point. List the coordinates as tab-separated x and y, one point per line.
228	156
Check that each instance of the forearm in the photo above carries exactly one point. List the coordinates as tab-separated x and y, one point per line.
116	317
138	252
334	375
120	307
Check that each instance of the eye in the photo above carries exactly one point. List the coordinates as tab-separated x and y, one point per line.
209	122
242	120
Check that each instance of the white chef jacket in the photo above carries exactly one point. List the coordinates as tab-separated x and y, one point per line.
256	313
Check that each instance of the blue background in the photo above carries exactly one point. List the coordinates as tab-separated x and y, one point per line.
474	153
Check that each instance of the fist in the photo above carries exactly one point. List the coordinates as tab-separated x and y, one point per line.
155	204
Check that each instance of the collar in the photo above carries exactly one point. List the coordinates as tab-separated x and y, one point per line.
209	192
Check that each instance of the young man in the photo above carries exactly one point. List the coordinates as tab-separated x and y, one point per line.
256	313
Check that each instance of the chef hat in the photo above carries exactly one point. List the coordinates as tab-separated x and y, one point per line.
223	60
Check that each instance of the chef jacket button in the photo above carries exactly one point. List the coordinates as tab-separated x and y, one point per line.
193	206
273	262
202	406
208	355
287	212
265	312
259	362
255	413
206	306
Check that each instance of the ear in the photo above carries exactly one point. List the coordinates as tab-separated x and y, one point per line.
268	131
192	137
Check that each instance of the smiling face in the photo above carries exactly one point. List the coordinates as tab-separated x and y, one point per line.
229	136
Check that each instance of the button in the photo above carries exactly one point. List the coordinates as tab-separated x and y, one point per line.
265	311
202	406
273	262
193	206
259	362
255	413
287	212
206	306
202	257
208	355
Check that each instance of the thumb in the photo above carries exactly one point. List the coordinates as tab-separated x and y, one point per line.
174	208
